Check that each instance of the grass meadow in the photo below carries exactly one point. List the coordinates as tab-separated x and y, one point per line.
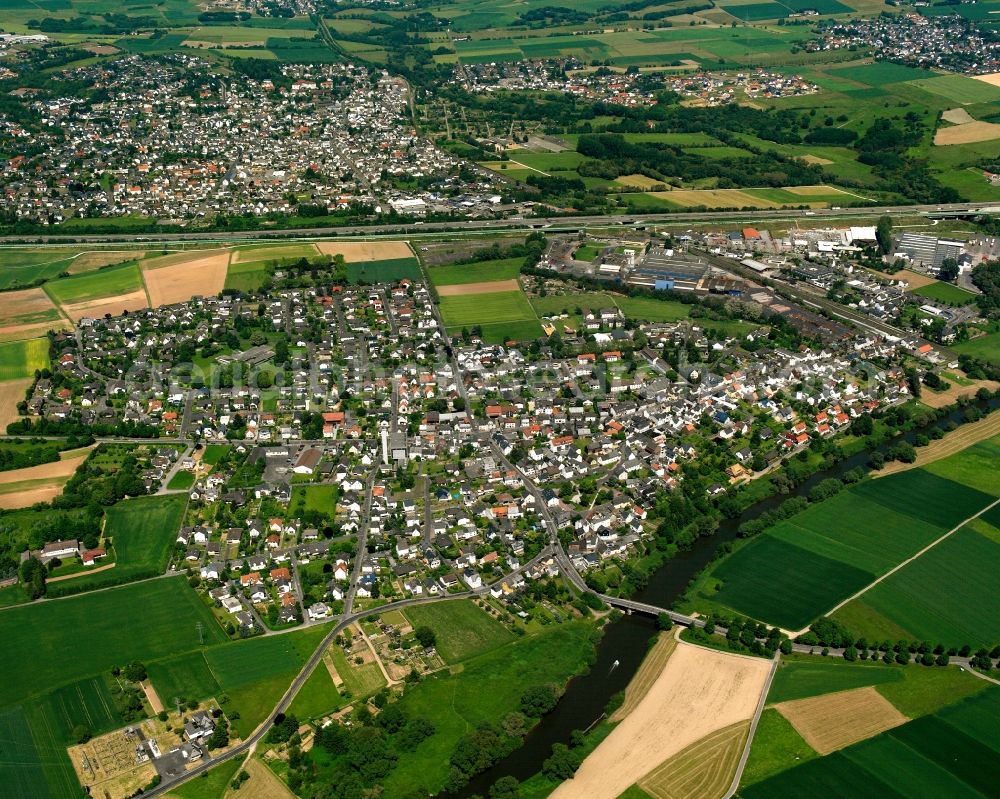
463	630
486	688
946	293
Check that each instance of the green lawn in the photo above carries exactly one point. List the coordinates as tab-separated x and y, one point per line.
485	689
322	498
213	784
986	347
482	272
20	359
215	453
103	629
108	282
946	293
143	531
463	630
180	481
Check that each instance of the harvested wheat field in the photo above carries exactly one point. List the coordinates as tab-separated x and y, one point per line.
11	393
955	441
26	307
488	287
89	261
263	784
26	493
644	678
95	309
993	78
938	399
60	468
967	133
720	198
274	252
832	721
702	771
366	250
638	181
698	692
815	159
201	276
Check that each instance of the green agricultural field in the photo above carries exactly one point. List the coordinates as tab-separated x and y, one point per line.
109	282
485	689
143	532
391	270
248	276
804	676
20	359
831	550
949	753
102	629
482	272
809	584
213	784
960	89
881	73
183	677
946	293
776	747
485	309
986	347
318	696
26	267
463	630
946	594
256	673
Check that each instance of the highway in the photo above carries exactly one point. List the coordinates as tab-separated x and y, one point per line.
560	224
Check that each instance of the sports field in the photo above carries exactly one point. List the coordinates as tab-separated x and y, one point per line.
501	314
484	271
20	359
462	629
804	566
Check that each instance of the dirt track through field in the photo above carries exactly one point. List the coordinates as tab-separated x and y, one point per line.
698	692
200	276
834	721
11	393
354	251
486	287
955	441
95	309
152	696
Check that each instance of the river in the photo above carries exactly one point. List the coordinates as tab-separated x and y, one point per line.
627	639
